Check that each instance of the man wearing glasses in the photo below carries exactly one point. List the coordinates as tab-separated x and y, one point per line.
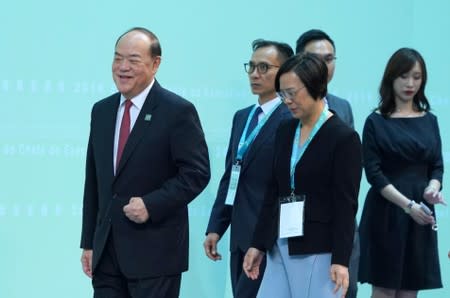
248	164
318	42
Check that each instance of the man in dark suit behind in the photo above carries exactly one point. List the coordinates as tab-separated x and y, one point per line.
255	164
146	160
318	42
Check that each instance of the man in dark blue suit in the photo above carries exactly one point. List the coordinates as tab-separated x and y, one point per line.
319	43
248	164
146	160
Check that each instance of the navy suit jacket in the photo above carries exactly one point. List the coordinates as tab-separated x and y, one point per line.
341	107
255	173
165	161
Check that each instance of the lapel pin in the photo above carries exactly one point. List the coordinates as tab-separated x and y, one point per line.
148	117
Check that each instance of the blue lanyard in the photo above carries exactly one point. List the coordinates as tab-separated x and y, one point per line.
244	144
298	152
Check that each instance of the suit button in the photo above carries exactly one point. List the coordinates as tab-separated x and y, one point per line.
115	196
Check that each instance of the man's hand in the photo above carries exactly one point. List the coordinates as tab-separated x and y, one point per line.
136	211
252	262
339	275
86	262
210	246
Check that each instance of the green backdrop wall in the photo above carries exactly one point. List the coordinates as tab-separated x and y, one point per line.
55	62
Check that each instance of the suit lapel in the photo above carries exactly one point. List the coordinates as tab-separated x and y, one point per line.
108	131
268	131
239	129
143	121
284	159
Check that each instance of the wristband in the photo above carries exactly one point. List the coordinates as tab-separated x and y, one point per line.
409	207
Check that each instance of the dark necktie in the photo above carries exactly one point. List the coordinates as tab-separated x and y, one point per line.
253	121
124	131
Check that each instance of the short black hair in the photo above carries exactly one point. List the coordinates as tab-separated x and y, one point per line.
310	69
312	35
401	62
155	46
284	50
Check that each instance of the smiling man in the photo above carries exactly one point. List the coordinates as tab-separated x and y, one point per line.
146	160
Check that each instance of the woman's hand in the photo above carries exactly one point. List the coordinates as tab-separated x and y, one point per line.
420	217
252	262
339	275
433	196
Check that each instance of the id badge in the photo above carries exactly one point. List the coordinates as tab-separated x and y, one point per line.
291	216
232	187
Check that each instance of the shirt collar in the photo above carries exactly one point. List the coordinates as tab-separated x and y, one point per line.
138	100
268	106
326	101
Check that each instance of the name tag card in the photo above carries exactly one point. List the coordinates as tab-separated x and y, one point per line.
232	187
291	216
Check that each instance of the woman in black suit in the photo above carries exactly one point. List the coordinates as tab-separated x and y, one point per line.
307	222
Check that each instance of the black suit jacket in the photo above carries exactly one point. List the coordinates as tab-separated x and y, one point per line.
255	174
329	174
166	162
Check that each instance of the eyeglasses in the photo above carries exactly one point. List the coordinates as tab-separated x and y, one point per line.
261	67
328	58
288	94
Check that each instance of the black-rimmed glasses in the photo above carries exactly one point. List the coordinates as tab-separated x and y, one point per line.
261	67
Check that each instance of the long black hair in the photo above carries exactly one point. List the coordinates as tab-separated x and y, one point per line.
401	62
